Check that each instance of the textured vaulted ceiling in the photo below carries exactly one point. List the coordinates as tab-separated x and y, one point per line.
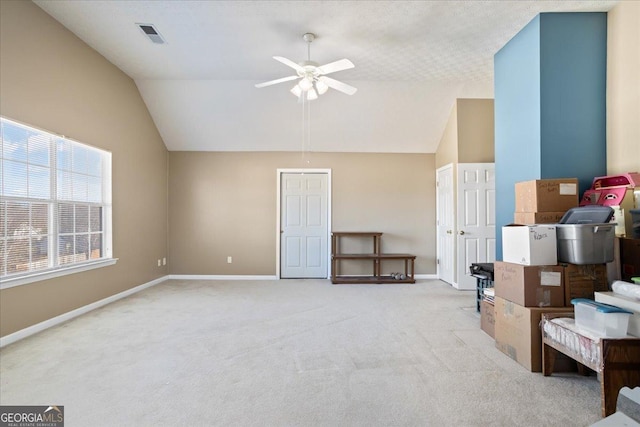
412	60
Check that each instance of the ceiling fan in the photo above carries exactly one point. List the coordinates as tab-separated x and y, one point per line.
313	77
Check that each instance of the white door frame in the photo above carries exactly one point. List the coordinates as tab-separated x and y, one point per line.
279	213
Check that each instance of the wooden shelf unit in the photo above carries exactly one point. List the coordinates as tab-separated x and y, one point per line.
375	257
618	364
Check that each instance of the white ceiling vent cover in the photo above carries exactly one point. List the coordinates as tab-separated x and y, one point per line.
150	31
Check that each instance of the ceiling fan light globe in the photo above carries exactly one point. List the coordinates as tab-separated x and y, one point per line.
321	87
312	94
305	84
296	90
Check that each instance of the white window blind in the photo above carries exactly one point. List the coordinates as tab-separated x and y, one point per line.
55	201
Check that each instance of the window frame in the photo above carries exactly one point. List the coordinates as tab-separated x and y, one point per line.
54	201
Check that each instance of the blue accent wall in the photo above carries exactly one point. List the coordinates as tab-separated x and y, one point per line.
516	119
573	49
550	105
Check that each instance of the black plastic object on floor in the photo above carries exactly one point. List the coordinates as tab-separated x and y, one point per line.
483	272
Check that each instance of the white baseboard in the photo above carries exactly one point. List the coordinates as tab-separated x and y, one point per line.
217	277
38	327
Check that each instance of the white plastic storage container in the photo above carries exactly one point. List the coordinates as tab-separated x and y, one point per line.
602	319
585	243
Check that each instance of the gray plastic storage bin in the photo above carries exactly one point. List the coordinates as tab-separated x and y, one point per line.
585	243
587	215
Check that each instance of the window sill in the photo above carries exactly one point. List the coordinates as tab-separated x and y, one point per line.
50	274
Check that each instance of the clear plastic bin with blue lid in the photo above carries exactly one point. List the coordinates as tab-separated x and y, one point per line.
604	320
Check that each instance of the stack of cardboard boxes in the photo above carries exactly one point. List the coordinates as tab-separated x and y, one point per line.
529	281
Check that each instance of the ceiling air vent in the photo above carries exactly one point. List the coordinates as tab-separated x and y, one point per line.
151	32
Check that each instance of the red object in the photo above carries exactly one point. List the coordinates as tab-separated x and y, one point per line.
610	190
629	180
604	196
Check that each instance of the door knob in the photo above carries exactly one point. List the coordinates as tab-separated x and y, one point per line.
461	232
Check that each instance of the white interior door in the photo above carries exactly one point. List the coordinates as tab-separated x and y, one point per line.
445	223
476	236
304	226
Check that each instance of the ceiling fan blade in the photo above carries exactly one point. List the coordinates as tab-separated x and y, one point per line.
273	82
332	67
289	63
339	86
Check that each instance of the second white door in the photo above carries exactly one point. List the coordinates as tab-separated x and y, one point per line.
304	225
476	219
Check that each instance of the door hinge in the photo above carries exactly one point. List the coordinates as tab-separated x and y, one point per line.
437	261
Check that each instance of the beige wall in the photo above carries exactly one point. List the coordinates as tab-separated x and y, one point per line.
51	80
468	136
475	131
447	151
224	204
623	88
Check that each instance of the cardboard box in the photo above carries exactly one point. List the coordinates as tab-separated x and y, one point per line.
581	281
547	195
518	335
529	244
529	286
629	258
487	318
537	217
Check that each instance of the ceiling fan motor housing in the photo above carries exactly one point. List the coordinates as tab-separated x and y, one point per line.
309	70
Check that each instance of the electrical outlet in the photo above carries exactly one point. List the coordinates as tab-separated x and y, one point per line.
159	263
164	261
229	260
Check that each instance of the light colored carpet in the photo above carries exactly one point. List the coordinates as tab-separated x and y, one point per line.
287	353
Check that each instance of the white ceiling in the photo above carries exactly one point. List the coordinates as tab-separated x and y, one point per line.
412	60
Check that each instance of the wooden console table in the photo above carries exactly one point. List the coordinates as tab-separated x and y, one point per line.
617	360
375	257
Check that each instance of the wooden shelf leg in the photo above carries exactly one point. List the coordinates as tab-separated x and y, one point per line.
548	359
333	269
582	370
610	384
